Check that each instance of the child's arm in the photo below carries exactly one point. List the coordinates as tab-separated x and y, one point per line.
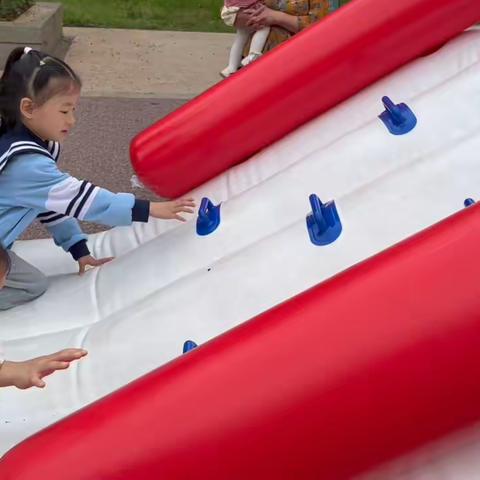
66	233
40	185
30	373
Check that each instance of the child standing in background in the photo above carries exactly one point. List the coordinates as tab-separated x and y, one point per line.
243	35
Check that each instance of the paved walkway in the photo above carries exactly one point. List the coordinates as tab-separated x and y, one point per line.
147	63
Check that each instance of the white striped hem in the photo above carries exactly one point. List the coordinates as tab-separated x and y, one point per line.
18	147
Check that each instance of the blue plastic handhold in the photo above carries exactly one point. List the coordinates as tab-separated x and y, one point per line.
399	119
208	217
323	223
189	345
468	202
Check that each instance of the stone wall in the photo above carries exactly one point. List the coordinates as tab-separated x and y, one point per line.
40	27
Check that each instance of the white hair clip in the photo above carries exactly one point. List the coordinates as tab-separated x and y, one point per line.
27	50
42	63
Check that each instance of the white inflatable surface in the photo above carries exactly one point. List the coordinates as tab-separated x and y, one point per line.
168	285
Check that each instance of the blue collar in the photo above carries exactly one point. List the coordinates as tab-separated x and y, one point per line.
21	140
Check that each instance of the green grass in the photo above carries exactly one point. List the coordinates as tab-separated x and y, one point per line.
187	15
10	9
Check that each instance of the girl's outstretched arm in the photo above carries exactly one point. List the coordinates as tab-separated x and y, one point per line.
30	373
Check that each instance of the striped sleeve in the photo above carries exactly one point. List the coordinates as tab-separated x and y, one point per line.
72	197
66	233
41	185
49	219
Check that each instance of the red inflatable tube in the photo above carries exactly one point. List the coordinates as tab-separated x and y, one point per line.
301	79
364	367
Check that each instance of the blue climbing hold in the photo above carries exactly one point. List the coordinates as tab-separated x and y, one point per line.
323	223
189	345
208	217
399	119
468	202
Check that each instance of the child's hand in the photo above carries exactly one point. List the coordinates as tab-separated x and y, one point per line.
171	210
31	372
88	260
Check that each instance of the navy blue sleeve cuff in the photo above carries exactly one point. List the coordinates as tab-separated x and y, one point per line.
79	250
140	210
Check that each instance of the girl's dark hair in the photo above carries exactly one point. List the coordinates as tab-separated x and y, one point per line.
5	263
35	75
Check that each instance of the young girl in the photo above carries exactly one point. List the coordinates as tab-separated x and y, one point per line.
38	97
30	373
242	36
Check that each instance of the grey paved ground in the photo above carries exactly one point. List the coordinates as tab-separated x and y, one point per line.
147	63
98	148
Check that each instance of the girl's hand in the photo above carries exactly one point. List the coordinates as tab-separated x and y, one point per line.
88	260
31	372
170	210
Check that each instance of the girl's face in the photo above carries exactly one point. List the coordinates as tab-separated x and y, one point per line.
54	119
3	278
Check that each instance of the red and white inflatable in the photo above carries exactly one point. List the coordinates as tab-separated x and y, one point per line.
315	362
302	79
364	367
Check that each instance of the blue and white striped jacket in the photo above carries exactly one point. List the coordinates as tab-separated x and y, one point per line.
31	186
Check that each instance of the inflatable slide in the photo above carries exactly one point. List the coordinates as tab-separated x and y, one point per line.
330	278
